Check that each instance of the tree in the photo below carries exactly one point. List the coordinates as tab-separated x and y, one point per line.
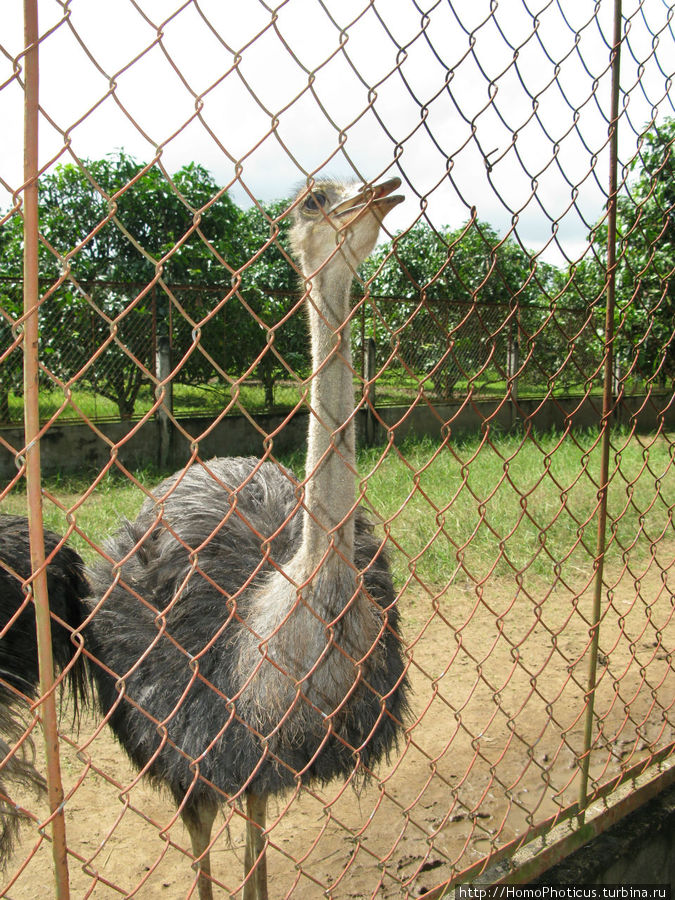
569	345
454	290
113	225
268	294
11	308
646	258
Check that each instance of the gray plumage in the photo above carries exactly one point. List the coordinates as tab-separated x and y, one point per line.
213	604
19	674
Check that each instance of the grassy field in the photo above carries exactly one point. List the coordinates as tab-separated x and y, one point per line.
188	400
393	388
516	505
473	509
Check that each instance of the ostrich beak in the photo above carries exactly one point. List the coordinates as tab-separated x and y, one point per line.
376	198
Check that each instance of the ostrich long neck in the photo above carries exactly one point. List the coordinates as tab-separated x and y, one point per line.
319	581
329	493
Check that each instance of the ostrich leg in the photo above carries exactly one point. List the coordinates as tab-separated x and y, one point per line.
199	823
255	861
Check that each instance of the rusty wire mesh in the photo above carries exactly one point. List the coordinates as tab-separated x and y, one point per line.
443	346
530	533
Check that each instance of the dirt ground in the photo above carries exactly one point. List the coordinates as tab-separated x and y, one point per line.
498	674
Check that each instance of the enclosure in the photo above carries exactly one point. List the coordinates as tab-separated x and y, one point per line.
156	158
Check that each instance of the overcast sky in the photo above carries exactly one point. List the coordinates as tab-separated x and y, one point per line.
348	86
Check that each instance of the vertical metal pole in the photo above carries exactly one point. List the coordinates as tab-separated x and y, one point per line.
371	368
31	430
165	411
513	364
607	404
163	371
363	340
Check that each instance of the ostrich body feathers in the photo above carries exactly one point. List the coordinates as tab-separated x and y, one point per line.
242	712
19	671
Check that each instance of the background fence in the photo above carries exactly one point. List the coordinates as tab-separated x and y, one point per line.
442	345
533	257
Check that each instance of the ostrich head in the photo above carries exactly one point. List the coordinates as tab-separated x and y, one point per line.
336	221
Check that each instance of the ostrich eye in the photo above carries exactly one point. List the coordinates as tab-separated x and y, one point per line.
316	201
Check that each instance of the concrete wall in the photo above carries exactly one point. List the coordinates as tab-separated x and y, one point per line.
78	447
638	850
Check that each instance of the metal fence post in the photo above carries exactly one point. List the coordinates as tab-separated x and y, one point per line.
513	365
607	406
47	705
165	386
370	363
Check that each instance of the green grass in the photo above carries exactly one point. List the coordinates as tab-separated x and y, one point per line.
515	505
92	405
393	388
188	401
96	512
463	510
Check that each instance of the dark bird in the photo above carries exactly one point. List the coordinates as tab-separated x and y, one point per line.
19	675
247	633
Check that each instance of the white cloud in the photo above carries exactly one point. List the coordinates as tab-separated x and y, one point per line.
350	86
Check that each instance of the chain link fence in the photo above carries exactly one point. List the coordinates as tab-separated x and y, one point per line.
480	680
441	345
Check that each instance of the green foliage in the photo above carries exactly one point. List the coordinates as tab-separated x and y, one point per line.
459	286
457	265
647	251
645	288
277	330
129	251
129	221
459	511
11	308
113	225
257	330
562	333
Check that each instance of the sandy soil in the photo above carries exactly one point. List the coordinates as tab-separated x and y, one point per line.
498	674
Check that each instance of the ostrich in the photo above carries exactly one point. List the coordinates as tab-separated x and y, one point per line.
19	674
246	629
